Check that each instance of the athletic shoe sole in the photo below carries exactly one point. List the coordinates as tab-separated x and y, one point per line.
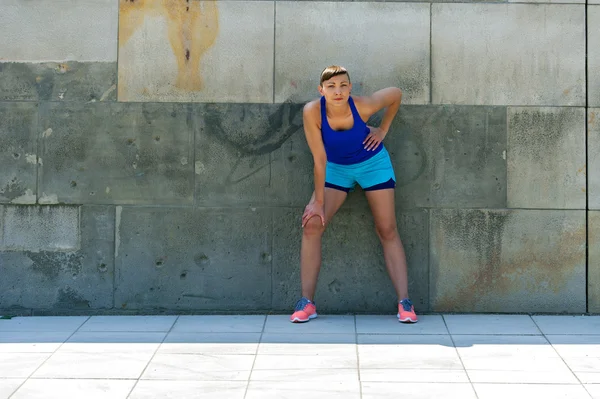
297	320
406	320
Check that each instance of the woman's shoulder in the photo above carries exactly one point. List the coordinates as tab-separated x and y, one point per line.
313	108
312	111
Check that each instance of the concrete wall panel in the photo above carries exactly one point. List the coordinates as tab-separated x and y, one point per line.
117	153
353	276
593	151
593	55
449	156
18	152
208	51
244	154
218	259
508	261
68	81
32	228
381	44
593	261
60	282
546	158
508	54
58	30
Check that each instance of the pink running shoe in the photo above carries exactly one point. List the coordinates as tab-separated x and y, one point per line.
304	311
406	311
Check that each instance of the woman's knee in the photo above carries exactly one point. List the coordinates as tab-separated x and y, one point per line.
388	231
314	227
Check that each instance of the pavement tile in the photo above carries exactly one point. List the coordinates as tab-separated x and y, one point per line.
511	359
576	345
129	323
8	386
211	343
94	365
287	362
43	323
545	371
393	390
147	389
336	356
407	352
210	323
515	346
413	375
20	365
324	324
545	391
491	324
372	324
74	389
306	375
318	390
199	367
32	342
594	390
307	344
111	341
582	325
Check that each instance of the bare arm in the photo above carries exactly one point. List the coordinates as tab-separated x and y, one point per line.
315	142
389	98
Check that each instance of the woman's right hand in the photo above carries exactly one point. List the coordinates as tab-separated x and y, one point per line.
313	209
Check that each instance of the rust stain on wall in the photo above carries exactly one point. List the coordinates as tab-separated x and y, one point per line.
193	27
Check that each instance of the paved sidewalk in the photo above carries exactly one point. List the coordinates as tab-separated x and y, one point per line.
347	357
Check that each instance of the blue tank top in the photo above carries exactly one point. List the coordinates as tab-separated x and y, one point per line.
345	147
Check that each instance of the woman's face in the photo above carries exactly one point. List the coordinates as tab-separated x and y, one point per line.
336	90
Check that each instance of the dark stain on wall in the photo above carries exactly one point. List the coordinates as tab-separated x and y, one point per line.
540	133
69	298
498	264
53	264
252	129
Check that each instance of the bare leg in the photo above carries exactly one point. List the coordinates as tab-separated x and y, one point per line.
384	214
310	254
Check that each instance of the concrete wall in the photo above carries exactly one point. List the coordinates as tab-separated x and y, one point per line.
152	156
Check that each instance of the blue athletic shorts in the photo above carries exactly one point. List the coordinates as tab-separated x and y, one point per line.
376	173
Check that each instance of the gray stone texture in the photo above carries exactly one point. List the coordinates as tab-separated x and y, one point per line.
593	55
115	153
508	54
58	30
79	279
381	44
210	51
353	275
257	155
550	1
593	261
593	151
184	169
508	261
51	81
18	152
546	162
449	156
45	228
216	259
251	154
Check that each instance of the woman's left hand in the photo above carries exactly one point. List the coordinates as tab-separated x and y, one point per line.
374	138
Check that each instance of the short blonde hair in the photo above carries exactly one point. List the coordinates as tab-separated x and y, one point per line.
331	71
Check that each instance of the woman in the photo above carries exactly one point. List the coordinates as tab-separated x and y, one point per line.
346	151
